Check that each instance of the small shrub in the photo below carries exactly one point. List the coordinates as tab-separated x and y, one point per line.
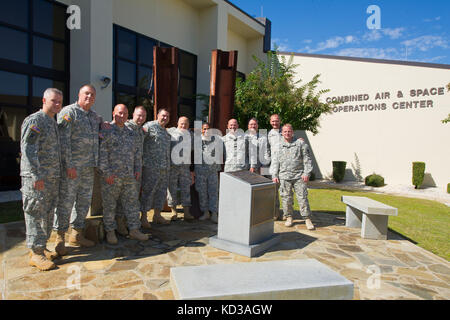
374	180
418	173
448	187
339	170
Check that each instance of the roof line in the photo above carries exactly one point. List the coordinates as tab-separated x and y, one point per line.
236	7
372	60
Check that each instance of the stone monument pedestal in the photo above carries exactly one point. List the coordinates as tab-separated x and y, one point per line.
246	211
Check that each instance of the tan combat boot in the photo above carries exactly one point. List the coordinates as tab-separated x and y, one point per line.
60	247
214	217
111	237
187	213
309	224
206	215
138	235
39	260
157	218
50	255
121	225
77	239
144	221
174	214
288	222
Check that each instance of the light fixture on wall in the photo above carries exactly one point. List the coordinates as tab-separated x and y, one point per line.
106	81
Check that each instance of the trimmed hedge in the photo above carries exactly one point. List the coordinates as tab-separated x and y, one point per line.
339	170
374	180
418	173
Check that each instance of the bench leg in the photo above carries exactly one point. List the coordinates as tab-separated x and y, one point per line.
374	227
353	217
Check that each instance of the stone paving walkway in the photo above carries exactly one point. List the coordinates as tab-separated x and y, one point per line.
390	269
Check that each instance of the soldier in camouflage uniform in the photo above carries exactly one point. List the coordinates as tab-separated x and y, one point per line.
206	176
78	127
40	169
257	154
120	164
235	148
291	167
274	138
155	173
135	124
181	176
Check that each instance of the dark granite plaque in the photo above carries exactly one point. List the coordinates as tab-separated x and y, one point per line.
249	177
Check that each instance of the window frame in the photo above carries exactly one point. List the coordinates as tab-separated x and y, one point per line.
31	70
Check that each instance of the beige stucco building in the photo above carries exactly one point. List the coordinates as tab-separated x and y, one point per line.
390	116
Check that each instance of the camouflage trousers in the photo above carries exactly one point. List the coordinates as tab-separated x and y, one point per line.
207	186
75	200
120	211
179	179
287	197
39	209
154	188
123	191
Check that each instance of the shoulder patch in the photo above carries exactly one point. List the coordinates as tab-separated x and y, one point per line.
35	129
67	118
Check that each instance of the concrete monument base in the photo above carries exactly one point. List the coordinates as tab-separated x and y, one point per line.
243	249
305	279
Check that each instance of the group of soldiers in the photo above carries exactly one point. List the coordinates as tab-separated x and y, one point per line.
141	166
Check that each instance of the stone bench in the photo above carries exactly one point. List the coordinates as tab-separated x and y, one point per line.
369	215
301	279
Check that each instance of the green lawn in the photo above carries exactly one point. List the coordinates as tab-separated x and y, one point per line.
425	222
11	211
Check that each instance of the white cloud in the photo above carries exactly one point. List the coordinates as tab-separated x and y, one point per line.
432	19
372	35
393	33
331	43
281	44
425	43
374	53
377	34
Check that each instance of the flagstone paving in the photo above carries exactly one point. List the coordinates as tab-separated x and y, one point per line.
380	269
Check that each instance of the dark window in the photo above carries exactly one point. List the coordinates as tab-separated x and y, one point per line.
48	54
34	56
15	12
14	88
14	45
133	73
49	19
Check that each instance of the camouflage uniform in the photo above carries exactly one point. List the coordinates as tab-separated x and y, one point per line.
156	162
274	138
180	173
41	160
79	132
206	178
257	155
120	155
289	163
235	152
139	139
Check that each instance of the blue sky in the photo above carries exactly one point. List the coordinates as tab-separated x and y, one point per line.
410	30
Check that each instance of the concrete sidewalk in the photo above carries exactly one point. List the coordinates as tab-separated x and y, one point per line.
380	269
